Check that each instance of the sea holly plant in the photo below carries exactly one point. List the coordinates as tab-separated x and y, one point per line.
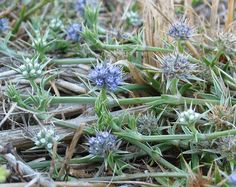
105	145
34	72
188	119
180	31
106	77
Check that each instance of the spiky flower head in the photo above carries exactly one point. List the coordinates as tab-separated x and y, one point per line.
177	66
180	30
188	117
227	145
147	124
55	24
74	32
81	4
45	138
106	75
226	42
31	69
133	18
4	24
102	144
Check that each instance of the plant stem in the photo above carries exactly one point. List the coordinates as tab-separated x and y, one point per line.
138	175
157	100
130	47
73	61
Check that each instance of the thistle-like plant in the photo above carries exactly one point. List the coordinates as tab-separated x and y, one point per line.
4	24
31	69
148	124
45	138
102	144
178	66
106	75
180	30
133	18
80	5
56	24
74	32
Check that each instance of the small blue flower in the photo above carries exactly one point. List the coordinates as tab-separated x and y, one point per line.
74	31
232	179
102	144
81	4
180	30
106	75
4	24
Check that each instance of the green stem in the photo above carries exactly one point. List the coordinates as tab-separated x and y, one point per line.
163	138
73	61
137	175
129	47
157	100
153	155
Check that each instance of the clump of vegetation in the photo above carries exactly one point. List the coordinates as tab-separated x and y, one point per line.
117	92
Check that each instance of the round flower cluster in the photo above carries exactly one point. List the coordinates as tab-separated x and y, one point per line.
180	30
31	69
55	24
147	124
81	4
226	42
74	31
4	24
46	138
177	66
188	117
102	144
133	18
106	75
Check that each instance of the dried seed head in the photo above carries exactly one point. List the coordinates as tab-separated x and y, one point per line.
102	144
74	32
147	124
106	75
222	116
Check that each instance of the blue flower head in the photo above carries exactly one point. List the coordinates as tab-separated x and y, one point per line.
81	4
106	75
180	30
102	144
232	179
177	65
4	24
74	31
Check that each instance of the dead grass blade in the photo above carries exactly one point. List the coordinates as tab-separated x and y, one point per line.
155	24
230	14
